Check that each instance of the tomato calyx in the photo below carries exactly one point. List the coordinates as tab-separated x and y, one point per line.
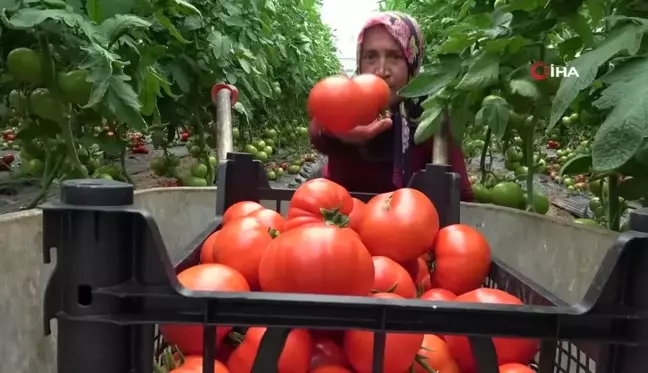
273	233
421	360
391	290
334	217
170	359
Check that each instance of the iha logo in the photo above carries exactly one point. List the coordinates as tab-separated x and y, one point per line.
541	71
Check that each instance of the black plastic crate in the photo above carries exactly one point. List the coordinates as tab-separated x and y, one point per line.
114	281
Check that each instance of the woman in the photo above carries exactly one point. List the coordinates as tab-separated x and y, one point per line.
381	157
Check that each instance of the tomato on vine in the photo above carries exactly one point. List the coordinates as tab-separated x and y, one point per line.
74	86
26	65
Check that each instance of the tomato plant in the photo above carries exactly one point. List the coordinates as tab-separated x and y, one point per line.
508	350
203	277
336	262
389	215
568	127
461	259
84	88
400	348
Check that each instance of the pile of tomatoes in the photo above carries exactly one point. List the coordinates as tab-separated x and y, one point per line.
329	243
338	104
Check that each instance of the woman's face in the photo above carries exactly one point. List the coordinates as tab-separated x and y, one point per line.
381	55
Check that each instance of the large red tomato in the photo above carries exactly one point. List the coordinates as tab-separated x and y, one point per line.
515	368
417	269
357	213
331	369
390	277
239	210
438	294
317	201
203	277
461	257
509	350
400	225
317	259
193	364
376	91
436	355
240	245
327	352
337	104
400	348
270	218
295	358
207	249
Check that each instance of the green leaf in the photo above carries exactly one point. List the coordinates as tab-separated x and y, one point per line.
525	88
430	123
483	72
624	38
495	114
245	65
186	8
149	92
116	26
123	102
94	10
28	18
220	44
235	21
580	164
167	24
579	23
426	83
596	10
621	135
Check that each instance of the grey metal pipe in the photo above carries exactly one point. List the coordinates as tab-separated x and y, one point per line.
224	141
441	144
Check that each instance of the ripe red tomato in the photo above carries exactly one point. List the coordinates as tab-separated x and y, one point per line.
462	259
317	259
376	91
295	358
240	209
327	352
193	364
438	294
435	353
331	369
270	218
207	249
337	104
357	213
241	245
417	269
203	277
391	277
400	225
509	350
400	348
317	201
424	285
515	368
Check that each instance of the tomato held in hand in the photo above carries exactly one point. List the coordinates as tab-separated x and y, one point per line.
317	259
400	348
241	245
337	104
508	350
400	225
295	357
357	213
391	277
435	354
319	201
240	209
203	277
515	368
462	259
376	91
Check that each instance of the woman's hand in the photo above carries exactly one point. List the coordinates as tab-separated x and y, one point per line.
362	134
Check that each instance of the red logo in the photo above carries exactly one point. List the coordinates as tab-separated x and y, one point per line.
542	74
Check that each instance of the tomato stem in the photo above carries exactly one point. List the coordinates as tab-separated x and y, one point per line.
124	171
335	217
202	143
484	152
273	233
420	360
46	185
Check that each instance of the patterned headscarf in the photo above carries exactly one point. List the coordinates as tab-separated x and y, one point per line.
407	33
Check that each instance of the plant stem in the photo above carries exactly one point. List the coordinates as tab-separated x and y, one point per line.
613	206
49	71
482	159
204	154
528	156
46	185
122	163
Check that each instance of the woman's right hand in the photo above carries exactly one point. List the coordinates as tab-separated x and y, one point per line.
362	134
